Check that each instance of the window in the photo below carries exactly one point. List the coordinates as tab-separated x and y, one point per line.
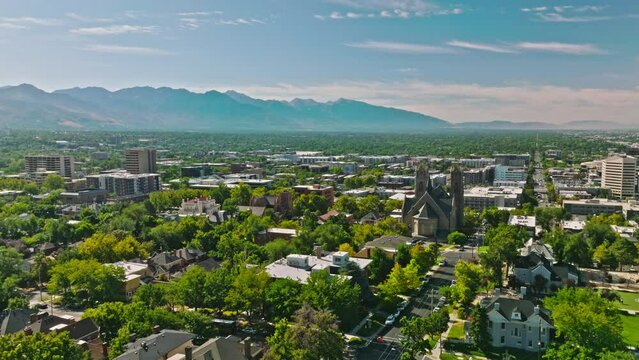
529	328
490	324
543	330
516	332
503	326
503	339
543	345
529	343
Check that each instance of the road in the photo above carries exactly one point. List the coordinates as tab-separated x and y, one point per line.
428	297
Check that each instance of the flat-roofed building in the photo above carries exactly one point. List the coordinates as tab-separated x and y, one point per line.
619	175
141	160
480	198
60	164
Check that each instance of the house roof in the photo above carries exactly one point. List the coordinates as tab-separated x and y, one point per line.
256	210
525	307
208	264
389	242
188	253
159	345
82	329
228	348
164	258
15	320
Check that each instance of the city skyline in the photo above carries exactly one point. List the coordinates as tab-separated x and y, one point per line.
497	60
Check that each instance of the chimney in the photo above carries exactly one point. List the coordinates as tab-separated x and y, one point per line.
188	353
317	250
497	292
247	348
27	330
496	306
536	310
132	337
156	329
105	349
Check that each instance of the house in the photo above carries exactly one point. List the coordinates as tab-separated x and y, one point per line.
15	320
281	204
369	218
299	267
199	206
209	264
255	210
161	346
387	243
189	255
164	263
223	348
134	274
331	213
527	222
536	267
516	323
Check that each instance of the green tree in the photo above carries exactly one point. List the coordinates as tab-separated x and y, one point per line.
401	280
248	291
310	202
282	298
109	248
403	254
110	317
86	282
326	292
312	335
425	257
53	182
418	330
41	346
469	279
457	238
330	236
479	328
152	296
380	266
624	251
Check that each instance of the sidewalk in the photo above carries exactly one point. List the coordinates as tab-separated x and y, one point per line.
437	350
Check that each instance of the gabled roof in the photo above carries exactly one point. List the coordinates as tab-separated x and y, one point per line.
164	258
525	307
255	210
15	321
390	242
188	253
82	329
228	348
158	345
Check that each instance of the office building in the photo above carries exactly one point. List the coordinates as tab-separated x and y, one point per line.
619	175
480	198
141	161
123	184
49	164
508	173
518	160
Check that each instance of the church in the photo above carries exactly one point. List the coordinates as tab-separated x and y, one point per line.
433	212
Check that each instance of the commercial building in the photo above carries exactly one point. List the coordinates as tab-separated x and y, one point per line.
141	160
123	184
60	164
601	206
480	198
477	163
299	267
619	174
509	173
518	160
94	196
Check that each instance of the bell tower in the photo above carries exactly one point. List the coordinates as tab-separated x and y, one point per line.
422	180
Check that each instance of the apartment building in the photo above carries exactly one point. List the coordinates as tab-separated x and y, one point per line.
141	161
619	174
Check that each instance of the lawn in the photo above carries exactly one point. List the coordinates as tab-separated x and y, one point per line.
494	354
630	329
483	249
628	299
457	331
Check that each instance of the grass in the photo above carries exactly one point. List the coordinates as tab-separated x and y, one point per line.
483	249
457	331
496	354
630	329
628	299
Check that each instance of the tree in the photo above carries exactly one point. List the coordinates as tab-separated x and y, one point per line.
597	233
109	317
313	335
310	202
577	251
380	266
504	241
479	328
401	280
417	330
469	278
53	182
624	251
152	296
493	216
41	346
192	287
330	236
346	204
457	238
86	282
472	221
248	291
604	255
326	292
585	320
425	257
278	249
282	298
402	255
112	247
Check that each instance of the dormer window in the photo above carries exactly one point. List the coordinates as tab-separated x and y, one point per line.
516	315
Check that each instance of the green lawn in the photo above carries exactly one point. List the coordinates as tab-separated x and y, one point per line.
457	331
630	329
483	249
628	299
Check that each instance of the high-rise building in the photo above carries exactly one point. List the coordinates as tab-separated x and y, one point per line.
124	184
619	175
61	164
141	160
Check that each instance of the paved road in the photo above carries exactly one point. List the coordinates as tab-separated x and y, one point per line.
428	297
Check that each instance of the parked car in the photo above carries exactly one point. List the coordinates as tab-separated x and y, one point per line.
390	319
442	299
443	263
437	308
379	339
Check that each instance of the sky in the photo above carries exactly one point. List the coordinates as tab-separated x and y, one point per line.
553	61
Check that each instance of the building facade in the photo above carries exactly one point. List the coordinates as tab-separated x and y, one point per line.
60	164
123	184
141	161
619	175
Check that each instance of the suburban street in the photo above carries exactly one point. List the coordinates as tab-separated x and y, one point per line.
421	305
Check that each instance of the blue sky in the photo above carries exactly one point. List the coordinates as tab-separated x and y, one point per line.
474	60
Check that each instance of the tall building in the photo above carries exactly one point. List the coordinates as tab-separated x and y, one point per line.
141	160
60	164
619	174
124	184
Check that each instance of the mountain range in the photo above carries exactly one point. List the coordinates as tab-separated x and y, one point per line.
146	108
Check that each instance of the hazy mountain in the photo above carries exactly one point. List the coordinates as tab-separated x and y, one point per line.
539	125
146	108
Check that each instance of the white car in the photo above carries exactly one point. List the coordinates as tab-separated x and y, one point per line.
442	299
390	320
437	308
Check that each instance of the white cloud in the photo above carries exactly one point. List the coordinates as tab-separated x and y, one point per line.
82	18
402	9
556	17
127	50
195	13
12	26
463	102
406	5
115	30
407	70
239	21
27	20
480	47
558	47
336	15
399	47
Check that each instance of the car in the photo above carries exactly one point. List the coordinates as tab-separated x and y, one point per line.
437	308
443	263
379	339
42	306
390	319
442	299
453	282
461	248
403	305
250	330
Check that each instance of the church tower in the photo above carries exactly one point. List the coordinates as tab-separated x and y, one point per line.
422	181
457	193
